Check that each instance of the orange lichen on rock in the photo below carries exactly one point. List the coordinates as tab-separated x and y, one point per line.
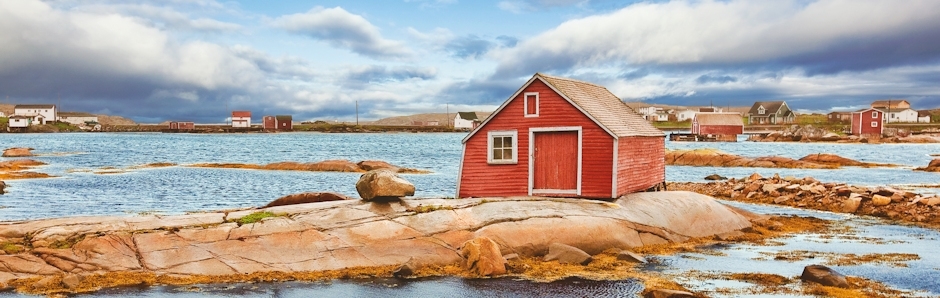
14	169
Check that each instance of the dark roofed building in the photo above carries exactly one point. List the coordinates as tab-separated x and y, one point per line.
770	112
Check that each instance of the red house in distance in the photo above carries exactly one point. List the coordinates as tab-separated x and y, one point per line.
279	122
563	138
868	122
722	126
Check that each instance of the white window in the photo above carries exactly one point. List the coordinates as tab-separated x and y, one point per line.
760	110
874	124
874	114
531	104
502	147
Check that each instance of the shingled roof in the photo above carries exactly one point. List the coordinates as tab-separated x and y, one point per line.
719	119
468	115
771	107
603	106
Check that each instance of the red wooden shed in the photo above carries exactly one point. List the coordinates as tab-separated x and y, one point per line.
561	137
279	122
722	126
867	122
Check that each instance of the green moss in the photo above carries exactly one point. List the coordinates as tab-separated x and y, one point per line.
10	248
430	208
255	217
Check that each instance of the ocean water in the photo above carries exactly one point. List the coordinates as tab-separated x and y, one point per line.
178	189
78	190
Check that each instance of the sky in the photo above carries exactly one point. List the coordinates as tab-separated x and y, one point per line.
197	60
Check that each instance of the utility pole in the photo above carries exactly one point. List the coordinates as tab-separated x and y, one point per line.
447	113
357	113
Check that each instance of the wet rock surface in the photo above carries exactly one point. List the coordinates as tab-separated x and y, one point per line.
339	235
16	169
807	192
307	197
933	166
716	158
823	275
18	152
809	133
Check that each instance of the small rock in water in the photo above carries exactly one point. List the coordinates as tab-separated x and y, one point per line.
715	177
824	275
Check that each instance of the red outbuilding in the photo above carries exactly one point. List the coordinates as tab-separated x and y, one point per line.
721	126
279	122
564	138
868	122
182	125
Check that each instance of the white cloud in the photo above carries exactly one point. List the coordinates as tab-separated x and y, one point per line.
737	32
344	30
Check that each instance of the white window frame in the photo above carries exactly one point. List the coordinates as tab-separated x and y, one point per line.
515	147
874	124
525	109
874	114
761	110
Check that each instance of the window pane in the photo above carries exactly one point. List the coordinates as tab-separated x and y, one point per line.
507	153
497	142
507	141
497	154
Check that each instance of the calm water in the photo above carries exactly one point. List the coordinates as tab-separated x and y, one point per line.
179	189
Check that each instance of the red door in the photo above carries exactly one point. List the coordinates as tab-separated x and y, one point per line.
555	164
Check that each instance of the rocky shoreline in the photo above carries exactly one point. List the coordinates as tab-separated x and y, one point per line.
811	134
884	202
717	158
67	254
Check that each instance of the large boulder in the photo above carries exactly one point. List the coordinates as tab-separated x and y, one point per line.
567	254
824	275
383	184
2	186
483	258
17	152
306	197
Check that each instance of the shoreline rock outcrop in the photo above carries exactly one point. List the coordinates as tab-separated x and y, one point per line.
306	197
18	152
807	192
347	234
16	169
811	134
337	165
933	166
717	158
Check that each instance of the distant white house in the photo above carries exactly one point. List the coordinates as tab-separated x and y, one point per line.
77	118
19	121
2	114
466	120
923	116
900	115
685	115
241	118
38	114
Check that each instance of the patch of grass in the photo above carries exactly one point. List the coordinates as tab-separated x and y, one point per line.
10	248
67	243
430	208
255	217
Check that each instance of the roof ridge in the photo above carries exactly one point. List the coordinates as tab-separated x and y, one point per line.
569	79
